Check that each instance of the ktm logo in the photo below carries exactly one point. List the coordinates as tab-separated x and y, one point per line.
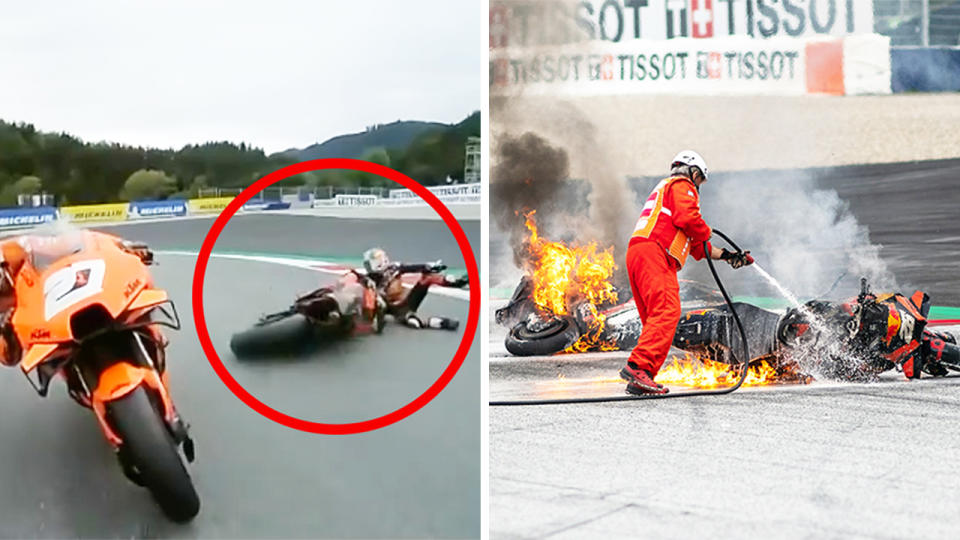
40	333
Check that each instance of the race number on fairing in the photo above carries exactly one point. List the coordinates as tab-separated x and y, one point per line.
72	284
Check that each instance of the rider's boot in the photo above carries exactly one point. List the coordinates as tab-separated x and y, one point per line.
443	323
413	321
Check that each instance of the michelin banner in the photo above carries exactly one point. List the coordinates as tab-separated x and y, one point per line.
155	209
94	212
27	217
207	206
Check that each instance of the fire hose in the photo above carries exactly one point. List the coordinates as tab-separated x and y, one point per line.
745	363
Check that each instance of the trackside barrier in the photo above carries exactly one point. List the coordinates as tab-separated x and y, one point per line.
738	65
266	206
207	206
155	209
139	210
457	190
925	69
372	200
26	217
94	212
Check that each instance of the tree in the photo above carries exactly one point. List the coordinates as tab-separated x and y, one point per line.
26	185
147	184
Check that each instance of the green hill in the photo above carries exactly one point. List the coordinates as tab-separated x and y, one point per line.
396	135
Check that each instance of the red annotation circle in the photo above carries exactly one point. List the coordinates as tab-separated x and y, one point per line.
319	427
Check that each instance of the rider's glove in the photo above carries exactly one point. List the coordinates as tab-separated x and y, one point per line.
437	266
737	259
139	249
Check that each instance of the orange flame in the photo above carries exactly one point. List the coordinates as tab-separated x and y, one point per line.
691	370
564	275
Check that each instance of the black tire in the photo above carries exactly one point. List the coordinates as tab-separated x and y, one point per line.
557	337
149	447
280	336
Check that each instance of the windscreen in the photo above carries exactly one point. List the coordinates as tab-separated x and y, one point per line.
45	250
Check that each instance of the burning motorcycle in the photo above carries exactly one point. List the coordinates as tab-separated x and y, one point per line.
352	306
852	340
856	339
87	310
536	331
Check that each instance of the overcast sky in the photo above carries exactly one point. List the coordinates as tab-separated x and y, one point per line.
277	74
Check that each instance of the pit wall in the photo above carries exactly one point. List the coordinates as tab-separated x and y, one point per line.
740	65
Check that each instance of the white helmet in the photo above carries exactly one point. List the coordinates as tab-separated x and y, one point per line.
375	260
692	159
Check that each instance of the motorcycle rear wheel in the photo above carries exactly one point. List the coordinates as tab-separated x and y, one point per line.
557	337
149	447
274	337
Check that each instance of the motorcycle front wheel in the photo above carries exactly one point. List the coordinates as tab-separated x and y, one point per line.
149	448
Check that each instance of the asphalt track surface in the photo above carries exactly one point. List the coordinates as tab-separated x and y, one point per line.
823	460
417	478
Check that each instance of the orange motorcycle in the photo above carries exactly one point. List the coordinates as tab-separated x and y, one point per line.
87	310
351	306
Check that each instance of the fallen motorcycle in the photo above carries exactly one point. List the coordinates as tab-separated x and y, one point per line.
851	340
352	306
87	310
533	331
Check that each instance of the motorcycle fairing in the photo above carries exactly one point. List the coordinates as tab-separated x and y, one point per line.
36	353
119	380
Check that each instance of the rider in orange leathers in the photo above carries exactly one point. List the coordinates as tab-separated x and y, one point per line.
670	228
401	303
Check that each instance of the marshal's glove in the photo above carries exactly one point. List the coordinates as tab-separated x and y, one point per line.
737	259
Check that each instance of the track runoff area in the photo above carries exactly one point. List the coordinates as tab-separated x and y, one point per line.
257	478
687	467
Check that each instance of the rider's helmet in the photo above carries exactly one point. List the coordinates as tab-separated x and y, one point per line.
375	260
690	159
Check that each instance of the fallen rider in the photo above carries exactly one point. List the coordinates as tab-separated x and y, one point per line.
403	303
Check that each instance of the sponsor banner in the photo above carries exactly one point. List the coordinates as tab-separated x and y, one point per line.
458	199
266	206
440	191
27	217
209	205
355	200
153	209
95	212
525	23
682	66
